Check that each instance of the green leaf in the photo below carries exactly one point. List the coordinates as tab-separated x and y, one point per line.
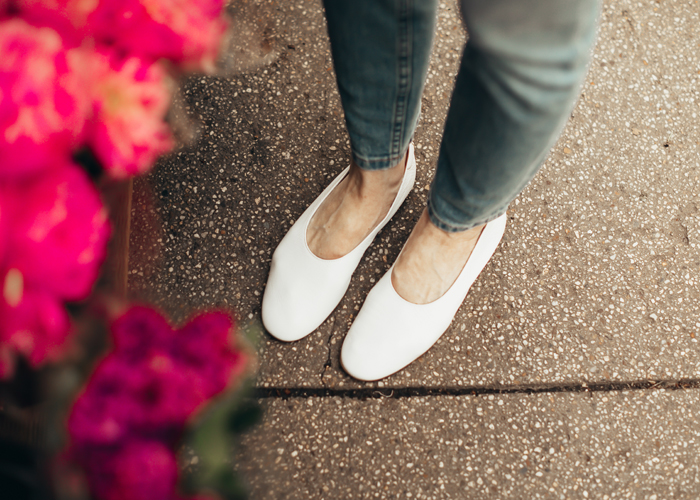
212	440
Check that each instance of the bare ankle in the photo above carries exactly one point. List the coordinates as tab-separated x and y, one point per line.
372	182
431	260
353	209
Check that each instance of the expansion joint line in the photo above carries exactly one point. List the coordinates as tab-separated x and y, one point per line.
410	392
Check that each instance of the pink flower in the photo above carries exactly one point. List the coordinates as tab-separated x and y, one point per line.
150	400
147	377
141	470
4	223
187	32
103	414
43	103
141	333
135	406
201	349
32	322
131	99
203	346
144	470
166	397
179	369
59	233
53	239
58	12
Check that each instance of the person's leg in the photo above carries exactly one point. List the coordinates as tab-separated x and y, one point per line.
380	53
519	78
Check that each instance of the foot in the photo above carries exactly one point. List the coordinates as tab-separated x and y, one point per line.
353	209
431	261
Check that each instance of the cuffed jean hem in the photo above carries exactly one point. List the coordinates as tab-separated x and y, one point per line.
382	163
451	227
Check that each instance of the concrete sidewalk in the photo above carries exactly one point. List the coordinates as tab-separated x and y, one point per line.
572	369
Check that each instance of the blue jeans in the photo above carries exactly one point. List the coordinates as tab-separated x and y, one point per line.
518	80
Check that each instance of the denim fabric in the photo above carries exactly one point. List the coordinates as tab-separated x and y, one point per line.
381	50
519	77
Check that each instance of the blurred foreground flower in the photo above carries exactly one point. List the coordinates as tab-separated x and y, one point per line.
186	32
55	240
125	425
131	99
88	83
43	103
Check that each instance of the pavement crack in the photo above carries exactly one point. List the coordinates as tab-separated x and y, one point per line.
409	392
686	234
327	365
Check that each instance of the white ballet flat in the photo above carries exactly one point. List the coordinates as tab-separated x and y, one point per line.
303	289
390	333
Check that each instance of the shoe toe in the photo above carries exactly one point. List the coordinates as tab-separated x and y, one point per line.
293	306
282	322
302	289
389	333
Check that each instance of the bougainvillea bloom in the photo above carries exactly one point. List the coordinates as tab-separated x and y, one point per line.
59	233
53	232
144	470
32	322
59	12
139	470
135	406
187	32
198	358
4	222
148	377
131	98
43	103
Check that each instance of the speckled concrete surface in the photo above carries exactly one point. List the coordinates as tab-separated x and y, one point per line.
635	445
596	281
597	276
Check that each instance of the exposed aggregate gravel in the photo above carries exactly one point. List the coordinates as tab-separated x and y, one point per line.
546	446
597	278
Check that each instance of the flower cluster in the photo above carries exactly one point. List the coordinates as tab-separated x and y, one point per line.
59	95
76	75
53	235
186	32
125	425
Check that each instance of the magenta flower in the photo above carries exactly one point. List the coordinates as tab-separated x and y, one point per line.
32	322
4	222
103	414
140	470
136	404
149	399
181	369
59	233
53	239
187	32
67	15
43	103
203	347
164	396
140	334
144	470
131	98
